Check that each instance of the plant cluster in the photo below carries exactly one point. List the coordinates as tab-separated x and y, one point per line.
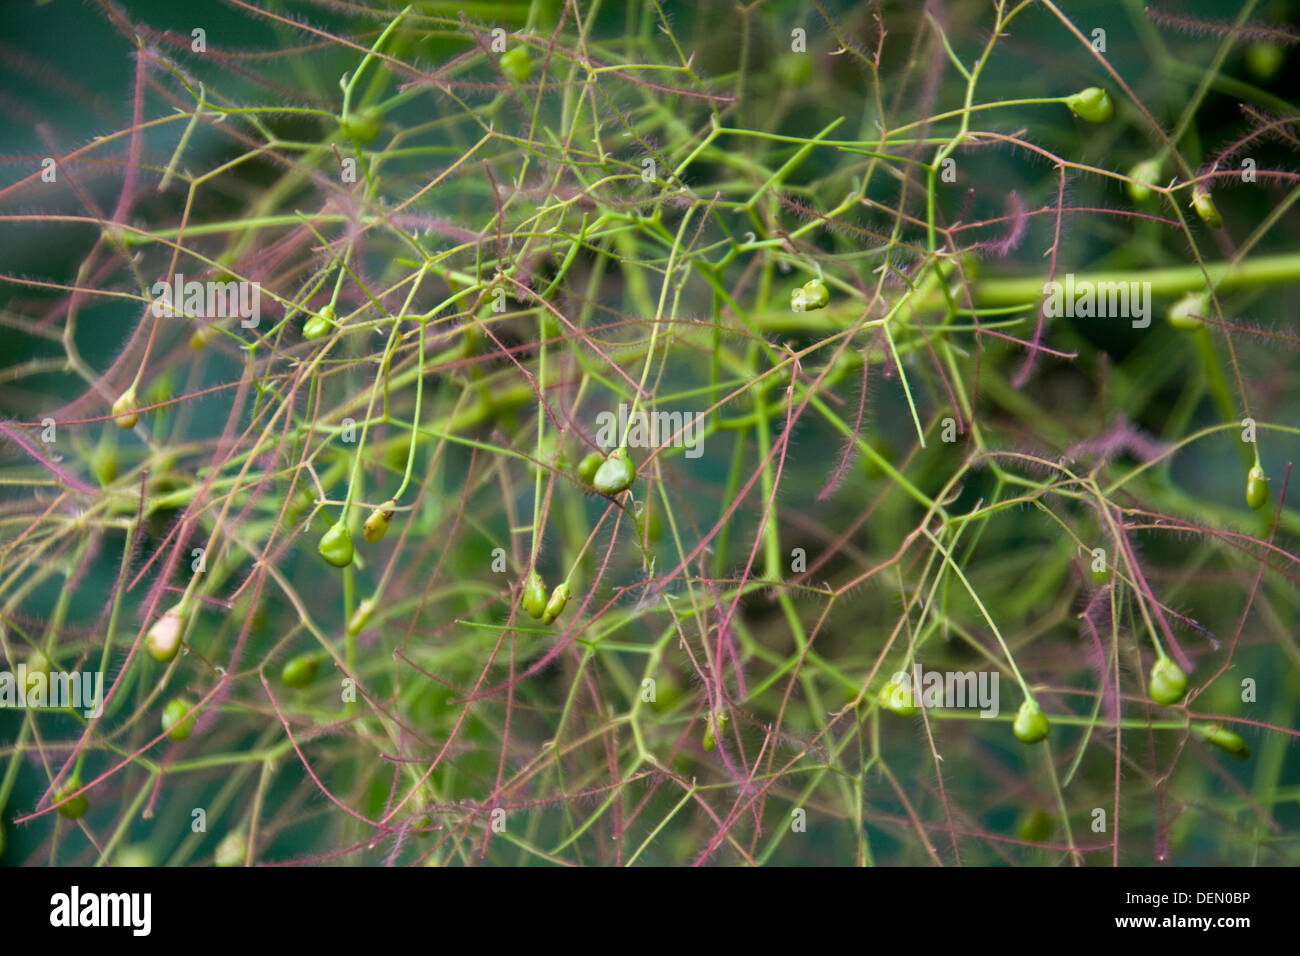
363	585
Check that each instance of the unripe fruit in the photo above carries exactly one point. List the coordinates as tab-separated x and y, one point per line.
1205	208
126	410
376	525
535	596
713	728
75	808
318	325
1225	740
1256	488
174	722
200	338
363	126
616	473
300	671
793	69
588	467
516	64
813	294
555	606
1036	826
361	617
1031	724
164	638
1264	59
1144	176
1092	104
336	546
1099	577
667	695
896	697
38	663
1168	683
103	464
231	850
1184	314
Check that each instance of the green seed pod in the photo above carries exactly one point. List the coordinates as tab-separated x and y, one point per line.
75	808
1264	59
1031	724
361	617
1225	740
336	545
666	694
714	725
815	294
1184	313
1143	176
535	596
38	663
896	697
300	671
103	464
362	126
200	338
231	850
793	70
588	467
1036	826
126	409
1092	104
174	721
1256	488
1205	208
616	473
164	638
1099	577
376	525
555	606
516	64
318	325
1168	683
